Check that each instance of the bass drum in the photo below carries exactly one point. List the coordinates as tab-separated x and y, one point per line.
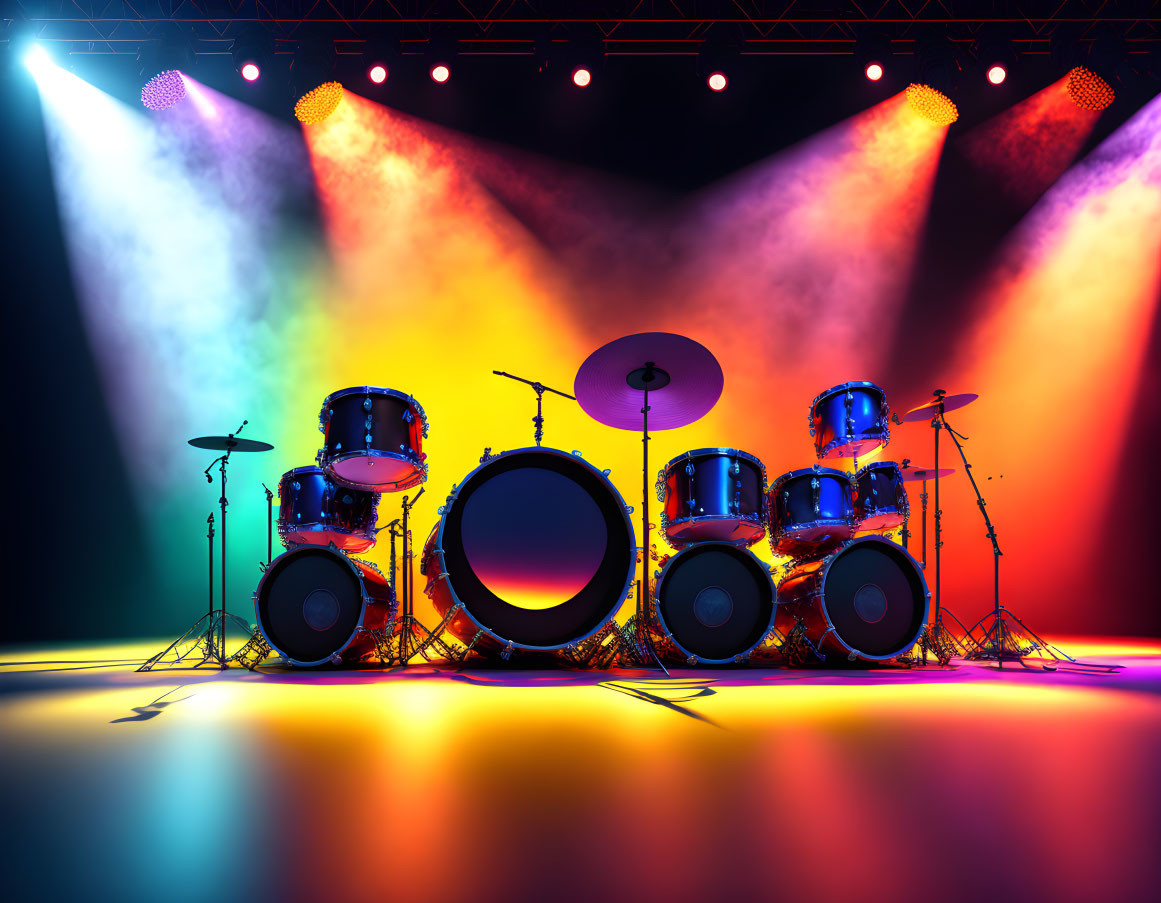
533	550
315	605
713	603
867	600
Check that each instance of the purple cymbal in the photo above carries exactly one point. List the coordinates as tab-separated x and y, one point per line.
684	379
927	411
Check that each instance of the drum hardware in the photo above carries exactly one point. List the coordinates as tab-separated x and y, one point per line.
910	474
613	386
269	525
256	651
209	632
408	627
539	389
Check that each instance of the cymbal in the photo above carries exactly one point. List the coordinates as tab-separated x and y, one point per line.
912	474
927	411
230	443
684	379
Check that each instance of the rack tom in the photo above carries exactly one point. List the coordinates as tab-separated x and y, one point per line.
713	495
850	420
373	439
314	510
811	511
881	500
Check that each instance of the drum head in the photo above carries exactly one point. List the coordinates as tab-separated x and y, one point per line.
309	603
716	600
538	548
876	598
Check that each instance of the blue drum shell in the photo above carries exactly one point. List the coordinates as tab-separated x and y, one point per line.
316	511
805	518
881	502
842	432
722	500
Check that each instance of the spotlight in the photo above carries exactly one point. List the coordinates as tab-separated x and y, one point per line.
716	60
252	51
582	59
37	59
930	94
441	51
872	51
994	54
1088	90
316	94
380	57
581	77
162	61
164	90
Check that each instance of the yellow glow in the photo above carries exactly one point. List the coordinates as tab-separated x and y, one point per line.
319	103
932	104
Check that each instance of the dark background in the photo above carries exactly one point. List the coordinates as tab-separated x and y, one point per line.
71	526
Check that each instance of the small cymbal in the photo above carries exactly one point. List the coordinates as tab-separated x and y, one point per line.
230	443
927	411
911	473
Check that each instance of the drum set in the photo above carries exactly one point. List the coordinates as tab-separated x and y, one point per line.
535	550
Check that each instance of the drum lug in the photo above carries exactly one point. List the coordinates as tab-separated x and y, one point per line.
367	404
628	509
507	653
691	661
577	454
815	485
336	659
660	485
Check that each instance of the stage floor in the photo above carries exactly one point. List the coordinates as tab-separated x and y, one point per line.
433	783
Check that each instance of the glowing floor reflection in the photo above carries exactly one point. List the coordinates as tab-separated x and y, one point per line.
433	784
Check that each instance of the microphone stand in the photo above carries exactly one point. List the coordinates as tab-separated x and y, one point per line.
539	389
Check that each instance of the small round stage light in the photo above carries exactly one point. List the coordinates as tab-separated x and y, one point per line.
250	72
997	74
317	104
932	104
873	71
37	59
581	77
163	90
717	81
440	73
1088	90
377	73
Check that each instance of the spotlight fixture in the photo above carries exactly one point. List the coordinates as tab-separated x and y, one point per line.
316	94
253	51
994	55
164	90
930	94
162	61
380	58
581	77
582	59
1088	90
36	59
716	60
872	51
441	51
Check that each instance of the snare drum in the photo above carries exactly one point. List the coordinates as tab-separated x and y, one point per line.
314	510
849	420
881	503
811	510
372	439
713	495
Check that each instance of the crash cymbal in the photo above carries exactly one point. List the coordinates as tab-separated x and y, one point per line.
927	411
230	443
683	377
912	474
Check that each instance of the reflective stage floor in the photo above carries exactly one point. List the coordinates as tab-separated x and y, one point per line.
482	784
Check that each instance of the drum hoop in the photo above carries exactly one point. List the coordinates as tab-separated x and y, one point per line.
879	464
420	473
378	390
817	470
319	527
660	579
723	452
823	571
306	468
843	387
457	602
364	601
703	518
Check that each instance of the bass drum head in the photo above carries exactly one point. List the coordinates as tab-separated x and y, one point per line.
309	603
538	548
876	597
716	600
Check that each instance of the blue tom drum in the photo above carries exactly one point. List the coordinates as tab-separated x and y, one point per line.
373	439
713	495
811	511
313	510
881	502
850	420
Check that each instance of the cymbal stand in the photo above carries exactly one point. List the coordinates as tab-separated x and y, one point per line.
1005	637
209	632
269	525
539	389
408	627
